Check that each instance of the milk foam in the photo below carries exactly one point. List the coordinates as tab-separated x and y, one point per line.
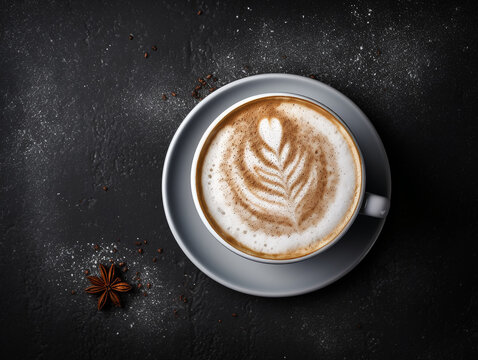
284	180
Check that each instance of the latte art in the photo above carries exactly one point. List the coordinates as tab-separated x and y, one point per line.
278	178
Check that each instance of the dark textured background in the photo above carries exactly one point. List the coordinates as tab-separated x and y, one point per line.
81	108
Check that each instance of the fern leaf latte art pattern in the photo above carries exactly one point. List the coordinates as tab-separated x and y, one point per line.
277	178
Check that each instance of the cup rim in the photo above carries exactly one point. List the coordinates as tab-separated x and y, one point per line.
197	204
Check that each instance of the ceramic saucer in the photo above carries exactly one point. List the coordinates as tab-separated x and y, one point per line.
232	270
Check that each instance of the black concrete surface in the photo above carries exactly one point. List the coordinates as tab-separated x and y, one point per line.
82	108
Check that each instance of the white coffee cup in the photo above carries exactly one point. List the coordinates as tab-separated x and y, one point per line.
369	204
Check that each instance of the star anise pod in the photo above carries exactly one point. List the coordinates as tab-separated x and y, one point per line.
108	286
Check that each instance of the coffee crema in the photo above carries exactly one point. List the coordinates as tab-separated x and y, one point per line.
278	177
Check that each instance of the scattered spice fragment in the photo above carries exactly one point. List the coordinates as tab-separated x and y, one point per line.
160	250
131	37
203	84
140	250
140	286
121	264
96	247
234	315
312	76
111	260
219	321
148	285
164	97
146	55
108	285
125	269
155	259
137	243
86	272
105	188
173	93
145	294
199	12
154	48
115	250
73	292
145	241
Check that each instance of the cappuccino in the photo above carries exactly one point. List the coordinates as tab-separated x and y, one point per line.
278	177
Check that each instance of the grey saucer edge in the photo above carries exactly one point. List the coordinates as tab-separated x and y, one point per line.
231	270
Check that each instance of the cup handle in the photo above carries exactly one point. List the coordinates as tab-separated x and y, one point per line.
375	205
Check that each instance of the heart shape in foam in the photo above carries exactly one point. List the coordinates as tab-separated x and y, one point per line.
271	132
